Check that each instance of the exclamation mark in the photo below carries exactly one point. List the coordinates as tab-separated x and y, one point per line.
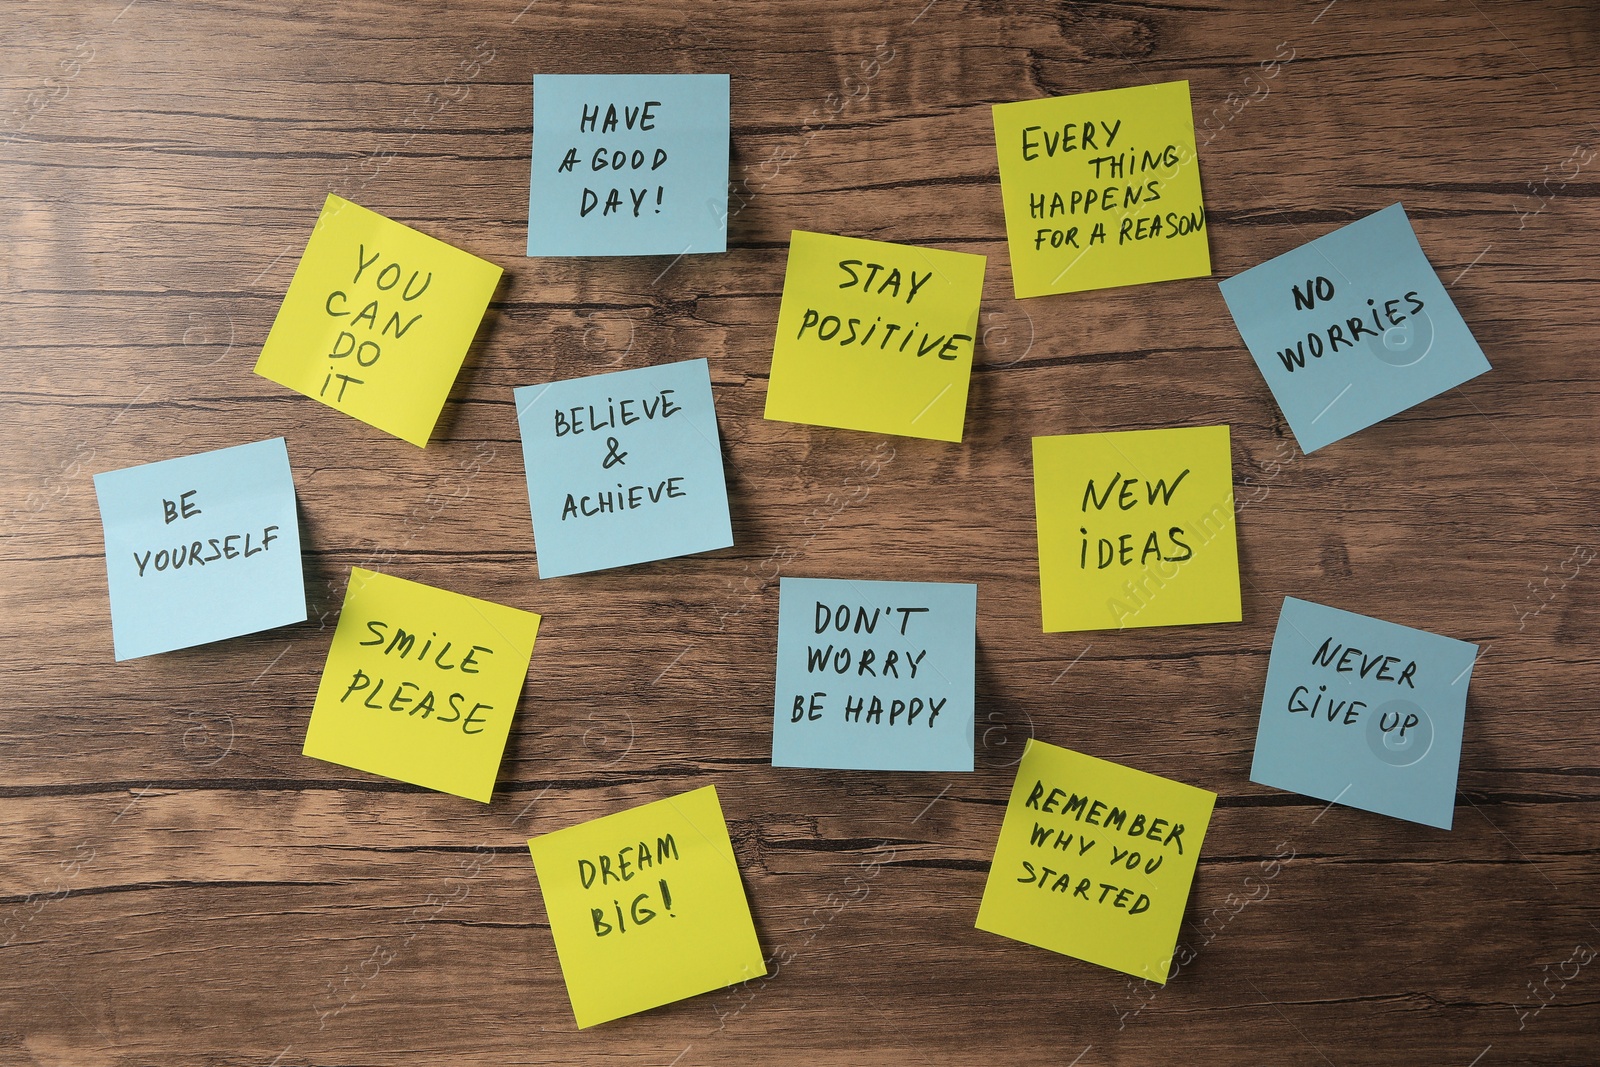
666	896
659	190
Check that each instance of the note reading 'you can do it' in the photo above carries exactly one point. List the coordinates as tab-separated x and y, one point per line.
377	320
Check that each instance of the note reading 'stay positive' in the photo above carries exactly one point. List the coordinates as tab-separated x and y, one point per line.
1364	712
1136	529
875	336
629	165
1101	189
875	675
377	320
646	907
1095	860
201	547
421	684
1352	328
623	468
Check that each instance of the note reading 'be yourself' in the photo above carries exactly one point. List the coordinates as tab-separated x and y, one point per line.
201	547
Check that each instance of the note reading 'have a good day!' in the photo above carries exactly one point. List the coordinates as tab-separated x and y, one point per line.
377	320
421	684
1095	860
629	165
646	907
875	336
1101	189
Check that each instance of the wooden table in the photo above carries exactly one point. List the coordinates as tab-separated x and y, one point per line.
181	886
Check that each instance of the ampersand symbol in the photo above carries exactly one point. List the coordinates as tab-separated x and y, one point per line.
613	457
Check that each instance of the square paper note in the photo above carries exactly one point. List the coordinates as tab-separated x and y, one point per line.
1364	712
623	468
874	675
629	165
420	685
1136	529
1095	860
377	320
875	336
201	547
646	907
1101	189
1352	328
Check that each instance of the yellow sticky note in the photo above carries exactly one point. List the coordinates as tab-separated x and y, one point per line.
875	336
1095	860
420	684
377	320
1136	529
646	907
1101	189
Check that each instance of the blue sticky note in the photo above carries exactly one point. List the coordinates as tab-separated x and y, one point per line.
201	547
623	468
1352	328
1364	713
629	165
874	675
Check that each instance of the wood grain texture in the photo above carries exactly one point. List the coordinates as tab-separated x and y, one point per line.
179	886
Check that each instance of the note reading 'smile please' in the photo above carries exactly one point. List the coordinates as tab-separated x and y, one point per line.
421	684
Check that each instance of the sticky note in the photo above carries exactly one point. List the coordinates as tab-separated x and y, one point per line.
1101	189
377	320
1364	713
1136	528
1095	860
201	547
629	165
1352	328
875	675
623	468
875	336
421	684
646	907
